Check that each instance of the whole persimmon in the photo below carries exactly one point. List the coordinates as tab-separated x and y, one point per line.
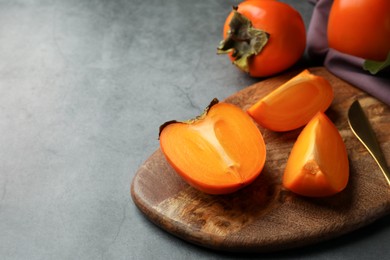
360	28
263	37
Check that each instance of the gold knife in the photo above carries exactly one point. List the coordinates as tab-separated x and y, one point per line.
361	127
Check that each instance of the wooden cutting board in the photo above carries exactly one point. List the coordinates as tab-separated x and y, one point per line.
265	217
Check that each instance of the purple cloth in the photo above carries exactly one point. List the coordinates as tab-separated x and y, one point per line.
344	66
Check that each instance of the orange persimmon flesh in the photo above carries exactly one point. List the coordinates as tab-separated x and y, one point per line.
318	163
219	152
294	103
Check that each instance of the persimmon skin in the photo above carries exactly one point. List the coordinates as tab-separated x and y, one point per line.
218	153
360	28
294	103
287	31
318	164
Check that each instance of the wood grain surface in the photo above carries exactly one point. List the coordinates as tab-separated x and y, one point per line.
265	217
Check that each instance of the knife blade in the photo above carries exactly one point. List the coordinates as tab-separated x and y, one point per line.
362	129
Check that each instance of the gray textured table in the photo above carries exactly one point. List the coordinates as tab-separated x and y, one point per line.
84	87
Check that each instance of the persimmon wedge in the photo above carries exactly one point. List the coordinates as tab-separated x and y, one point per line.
318	164
294	103
218	152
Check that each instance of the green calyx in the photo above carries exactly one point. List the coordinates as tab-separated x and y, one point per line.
243	40
376	66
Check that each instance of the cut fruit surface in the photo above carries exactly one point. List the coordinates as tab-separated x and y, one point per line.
217	153
294	103
318	164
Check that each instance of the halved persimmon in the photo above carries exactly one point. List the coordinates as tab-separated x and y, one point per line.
318	163
294	103
218	152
